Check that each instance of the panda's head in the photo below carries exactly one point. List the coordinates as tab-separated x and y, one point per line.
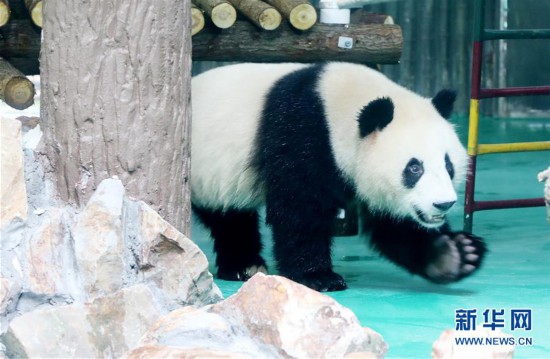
409	158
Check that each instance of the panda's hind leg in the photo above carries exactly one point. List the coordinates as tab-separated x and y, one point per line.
237	242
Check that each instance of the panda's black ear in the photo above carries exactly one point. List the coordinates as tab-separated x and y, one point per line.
444	102
375	116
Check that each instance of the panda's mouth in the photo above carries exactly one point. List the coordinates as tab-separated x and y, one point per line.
430	220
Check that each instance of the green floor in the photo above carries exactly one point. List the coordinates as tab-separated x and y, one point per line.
411	313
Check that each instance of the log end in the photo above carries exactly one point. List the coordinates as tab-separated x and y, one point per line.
4	13
36	14
303	17
270	19
19	93
224	15
197	20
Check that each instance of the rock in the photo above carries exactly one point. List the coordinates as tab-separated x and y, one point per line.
269	317
60	263
106	327
173	263
118	235
13	194
445	346
194	329
32	138
360	355
50	268
98	243
162	351
298	320
9	291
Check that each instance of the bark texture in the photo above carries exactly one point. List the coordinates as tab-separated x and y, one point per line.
116	100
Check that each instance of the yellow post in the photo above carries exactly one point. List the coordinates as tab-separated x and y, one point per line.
473	127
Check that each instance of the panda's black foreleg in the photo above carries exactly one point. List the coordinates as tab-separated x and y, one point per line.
237	242
439	255
302	245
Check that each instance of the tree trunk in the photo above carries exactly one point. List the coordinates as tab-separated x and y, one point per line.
116	100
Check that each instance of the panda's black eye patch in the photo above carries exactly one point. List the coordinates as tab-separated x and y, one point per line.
412	173
449	166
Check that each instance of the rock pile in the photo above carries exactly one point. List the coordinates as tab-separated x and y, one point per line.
103	275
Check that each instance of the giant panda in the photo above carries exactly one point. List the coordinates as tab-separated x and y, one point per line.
301	139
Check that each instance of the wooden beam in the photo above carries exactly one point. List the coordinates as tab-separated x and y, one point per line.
20	45
4	12
15	89
300	13
370	43
264	16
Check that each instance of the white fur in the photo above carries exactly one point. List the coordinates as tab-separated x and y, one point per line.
227	103
375	164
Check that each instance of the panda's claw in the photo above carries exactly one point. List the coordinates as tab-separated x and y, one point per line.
469	249
466	241
243	274
457	255
471	257
467	268
322	281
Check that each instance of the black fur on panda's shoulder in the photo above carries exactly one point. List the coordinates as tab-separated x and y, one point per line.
293	140
296	166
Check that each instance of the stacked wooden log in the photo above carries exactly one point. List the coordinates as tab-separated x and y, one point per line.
15	89
20	44
34	7
238	30
266	15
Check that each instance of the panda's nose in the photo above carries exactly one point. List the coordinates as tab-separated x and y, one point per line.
444	206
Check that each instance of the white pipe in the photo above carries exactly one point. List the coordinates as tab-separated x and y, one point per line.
349	4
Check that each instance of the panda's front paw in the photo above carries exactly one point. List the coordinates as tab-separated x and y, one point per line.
322	281
244	273
456	256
